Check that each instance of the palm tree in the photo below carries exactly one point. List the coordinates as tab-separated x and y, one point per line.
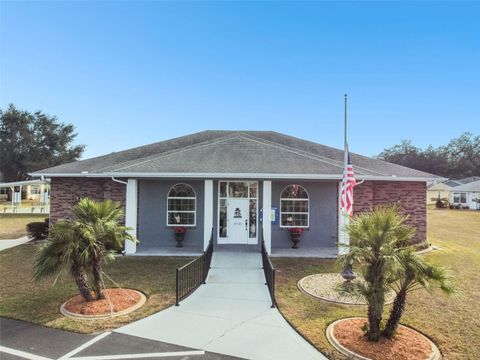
84	243
413	273
64	250
99	224
376	238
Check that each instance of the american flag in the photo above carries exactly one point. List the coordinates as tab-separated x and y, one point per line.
348	183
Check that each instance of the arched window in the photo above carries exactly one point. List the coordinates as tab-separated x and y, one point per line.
181	206
294	207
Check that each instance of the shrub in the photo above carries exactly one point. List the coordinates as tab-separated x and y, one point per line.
451	206
38	230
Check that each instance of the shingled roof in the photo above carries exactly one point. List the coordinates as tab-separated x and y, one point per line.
213	153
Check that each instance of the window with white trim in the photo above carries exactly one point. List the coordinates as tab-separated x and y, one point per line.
181	205
34	189
460	198
294	206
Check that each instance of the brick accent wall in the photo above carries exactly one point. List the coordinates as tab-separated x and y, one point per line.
410	195
65	192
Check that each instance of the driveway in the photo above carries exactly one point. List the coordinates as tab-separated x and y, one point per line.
21	340
6	244
230	315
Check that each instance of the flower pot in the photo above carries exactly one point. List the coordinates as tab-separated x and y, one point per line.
179	237
295	237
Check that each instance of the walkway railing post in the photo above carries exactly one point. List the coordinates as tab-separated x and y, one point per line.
176	288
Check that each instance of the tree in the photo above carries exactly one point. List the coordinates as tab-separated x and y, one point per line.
93	237
457	160
33	141
412	273
64	251
464	154
98	222
376	239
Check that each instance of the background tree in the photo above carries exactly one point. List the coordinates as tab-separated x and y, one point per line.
458	159
33	141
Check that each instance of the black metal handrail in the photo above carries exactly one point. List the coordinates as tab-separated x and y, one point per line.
269	271
190	276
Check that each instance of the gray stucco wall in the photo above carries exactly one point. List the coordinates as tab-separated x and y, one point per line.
323	215
153	231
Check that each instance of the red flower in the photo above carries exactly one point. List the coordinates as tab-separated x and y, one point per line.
180	230
296	230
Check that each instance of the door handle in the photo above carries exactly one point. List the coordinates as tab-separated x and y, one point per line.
246	224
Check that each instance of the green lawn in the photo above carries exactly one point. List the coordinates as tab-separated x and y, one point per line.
452	322
23	299
12	226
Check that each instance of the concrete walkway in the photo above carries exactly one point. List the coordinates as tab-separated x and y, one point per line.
230	315
6	244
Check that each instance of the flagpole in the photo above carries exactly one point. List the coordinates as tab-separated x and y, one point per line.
347	272
345	126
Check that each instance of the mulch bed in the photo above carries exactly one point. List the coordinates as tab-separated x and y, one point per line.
120	299
407	344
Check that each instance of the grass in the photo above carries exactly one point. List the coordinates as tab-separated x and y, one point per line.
39	303
452	322
12	226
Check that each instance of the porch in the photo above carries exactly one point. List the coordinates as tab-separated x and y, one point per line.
231	212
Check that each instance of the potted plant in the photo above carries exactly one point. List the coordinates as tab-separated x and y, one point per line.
179	232
295	235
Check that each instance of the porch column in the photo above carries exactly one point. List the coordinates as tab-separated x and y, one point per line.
267	216
131	214
207	213
343	239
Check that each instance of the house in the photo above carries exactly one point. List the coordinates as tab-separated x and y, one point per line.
467	195
13	194
453	183
217	184
436	190
468	179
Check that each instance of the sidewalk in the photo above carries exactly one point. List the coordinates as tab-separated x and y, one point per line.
6	244
230	315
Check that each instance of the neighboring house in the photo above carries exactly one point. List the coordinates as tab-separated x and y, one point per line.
13	195
28	190
436	190
467	195
453	183
219	183
468	179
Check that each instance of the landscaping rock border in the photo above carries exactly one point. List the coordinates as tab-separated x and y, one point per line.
427	250
65	312
435	355
328	282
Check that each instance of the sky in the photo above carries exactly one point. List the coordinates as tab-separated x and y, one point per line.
132	73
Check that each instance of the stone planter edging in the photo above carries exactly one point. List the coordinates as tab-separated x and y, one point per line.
435	354
302	290
65	312
427	250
